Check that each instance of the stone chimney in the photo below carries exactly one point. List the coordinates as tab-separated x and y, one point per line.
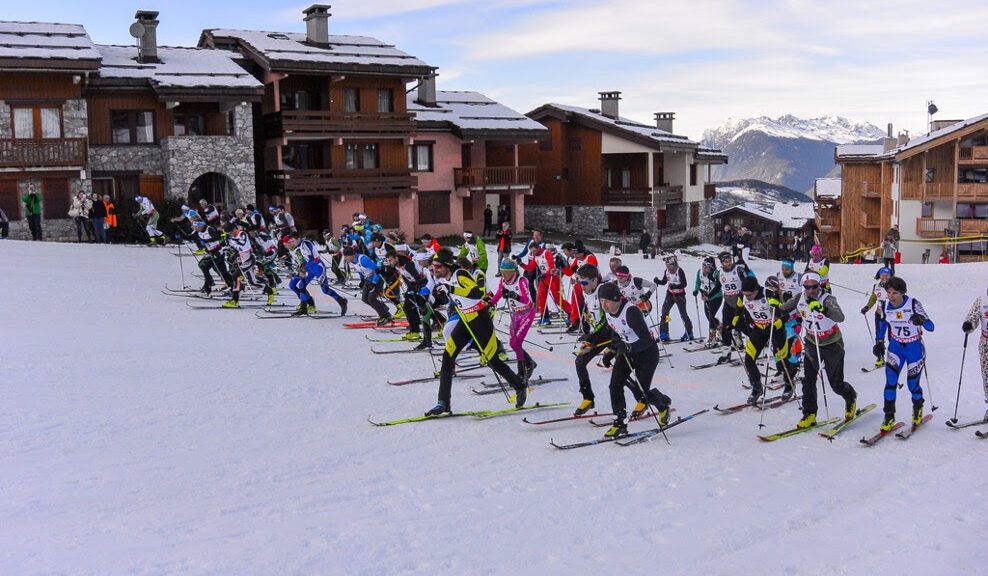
609	104
663	120
903	138
148	42
317	24
890	141
939	124
427	91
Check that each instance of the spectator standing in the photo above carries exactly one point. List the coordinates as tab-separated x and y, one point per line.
79	211
4	225
111	216
889	247
644	241
488	222
727	237
503	244
926	256
32	210
944	258
98	218
743	245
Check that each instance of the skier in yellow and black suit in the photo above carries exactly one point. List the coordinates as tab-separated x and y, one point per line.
473	325
757	319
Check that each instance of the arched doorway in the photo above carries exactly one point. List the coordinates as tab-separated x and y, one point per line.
218	189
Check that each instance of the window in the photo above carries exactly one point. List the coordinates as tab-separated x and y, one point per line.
189	124
351	100
981	211
351	157
361	156
132	126
692	174
626	178
385	101
37	122
231	123
929	175
420	157
370	159
965	210
927	210
433	207
299	157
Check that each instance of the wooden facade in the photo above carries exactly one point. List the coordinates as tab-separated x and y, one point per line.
568	164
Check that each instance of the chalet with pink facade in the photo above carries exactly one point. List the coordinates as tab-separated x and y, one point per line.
464	156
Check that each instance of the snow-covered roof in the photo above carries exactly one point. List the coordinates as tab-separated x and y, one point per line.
827	187
341	53
859	150
710	155
627	125
793	214
760	210
945	131
179	68
46	41
472	111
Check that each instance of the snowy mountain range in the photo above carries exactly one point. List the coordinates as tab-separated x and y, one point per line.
787	150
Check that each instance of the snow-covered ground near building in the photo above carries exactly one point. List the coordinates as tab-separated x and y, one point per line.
140	436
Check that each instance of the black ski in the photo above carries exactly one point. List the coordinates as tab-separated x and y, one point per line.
966	424
649	434
493	388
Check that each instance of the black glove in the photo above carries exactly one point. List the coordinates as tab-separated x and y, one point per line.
515	258
510	294
967	326
695	292
917	319
619	346
878	349
864	309
606	360
646	296
656	279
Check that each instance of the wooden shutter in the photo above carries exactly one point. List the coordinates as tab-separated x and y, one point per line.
55	198
153	187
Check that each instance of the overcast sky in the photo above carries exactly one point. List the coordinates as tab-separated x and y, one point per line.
707	60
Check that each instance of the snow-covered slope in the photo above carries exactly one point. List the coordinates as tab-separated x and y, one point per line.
139	436
747	191
787	150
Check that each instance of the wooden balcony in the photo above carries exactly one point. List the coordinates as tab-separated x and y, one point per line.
317	124
869	220
495	177
336	182
626	197
662	195
932	227
945	191
62	152
973	154
709	191
828	225
974	227
978	191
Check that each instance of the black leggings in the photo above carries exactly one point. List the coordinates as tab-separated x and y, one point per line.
832	356
482	327
710	309
644	362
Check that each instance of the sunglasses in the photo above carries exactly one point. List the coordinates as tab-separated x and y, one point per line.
811	286
583	282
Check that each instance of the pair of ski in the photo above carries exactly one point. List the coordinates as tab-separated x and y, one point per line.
645	416
837	424
243	304
631	438
268	314
495	388
435	376
481	414
979	433
374	324
902	435
773	402
717	363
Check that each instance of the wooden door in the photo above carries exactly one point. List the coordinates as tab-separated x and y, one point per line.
382	210
152	187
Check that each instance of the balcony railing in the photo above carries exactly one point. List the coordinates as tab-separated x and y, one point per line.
326	124
626	197
974	226
827	225
869	220
17	153
974	153
975	191
932	227
709	191
321	182
667	195
495	177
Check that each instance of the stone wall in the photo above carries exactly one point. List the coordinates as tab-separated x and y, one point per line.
586	220
75	118
6	128
143	159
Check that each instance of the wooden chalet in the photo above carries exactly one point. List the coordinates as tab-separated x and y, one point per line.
44	69
774	228
599	172
827	197
332	131
465	155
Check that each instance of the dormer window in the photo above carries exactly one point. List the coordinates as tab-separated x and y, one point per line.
277	36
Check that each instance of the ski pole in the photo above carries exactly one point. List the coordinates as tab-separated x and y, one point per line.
641	390
959	379
181	265
832	283
821	373
483	357
699	319
769	345
929	387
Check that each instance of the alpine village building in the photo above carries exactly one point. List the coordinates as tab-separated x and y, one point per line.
775	228
934	188
603	174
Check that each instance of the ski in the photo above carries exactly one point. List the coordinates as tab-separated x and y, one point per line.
831	433
740	407
493	388
646	416
881	434
966	424
417	338
601	440
430	379
424	418
536	406
374	324
905	434
795	431
701	348
866	369
274	314
200	306
782	402
398	350
649	434
712	364
566	419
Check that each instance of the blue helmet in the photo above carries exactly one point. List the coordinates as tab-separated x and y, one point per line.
787	263
884	270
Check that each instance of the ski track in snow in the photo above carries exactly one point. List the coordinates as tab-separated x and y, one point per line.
138	436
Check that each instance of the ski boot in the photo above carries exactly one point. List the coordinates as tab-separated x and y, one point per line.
725	358
880	361
343	303
807	421
687	337
756	393
411	336
663	415
851	407
301	310
231	304
618	428
573	328
530	366
439	409
917	412
640	409
400	312
207	289
664	337
788	393
888	423
311	308
385	320
583	408
521	395
424	345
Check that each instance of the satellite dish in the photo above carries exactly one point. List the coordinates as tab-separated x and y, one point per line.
137	30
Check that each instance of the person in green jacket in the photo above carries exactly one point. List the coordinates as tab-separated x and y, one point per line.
474	249
32	210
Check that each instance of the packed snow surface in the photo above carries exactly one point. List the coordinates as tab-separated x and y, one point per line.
140	436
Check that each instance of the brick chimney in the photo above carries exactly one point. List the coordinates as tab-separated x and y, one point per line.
663	120
609	104
317	24
148	43
903	138
427	91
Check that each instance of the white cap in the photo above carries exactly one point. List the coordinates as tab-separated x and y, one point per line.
811	276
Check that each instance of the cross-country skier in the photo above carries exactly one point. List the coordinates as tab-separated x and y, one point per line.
979	315
731	276
309	268
880	296
707	286
817	263
759	321
212	257
514	289
904	319
146	209
634	289
675	277
371	284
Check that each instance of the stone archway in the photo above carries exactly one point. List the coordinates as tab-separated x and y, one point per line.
218	189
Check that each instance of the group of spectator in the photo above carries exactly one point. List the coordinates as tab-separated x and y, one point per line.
503	215
93	215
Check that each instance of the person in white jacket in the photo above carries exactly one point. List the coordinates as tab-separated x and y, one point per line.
147	210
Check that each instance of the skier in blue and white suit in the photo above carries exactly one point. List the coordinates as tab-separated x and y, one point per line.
904	321
309	268
371	283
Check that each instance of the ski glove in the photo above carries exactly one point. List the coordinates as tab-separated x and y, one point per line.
815	305
967	326
695	292
864	309
423	292
510	294
619	346
774	302
917	319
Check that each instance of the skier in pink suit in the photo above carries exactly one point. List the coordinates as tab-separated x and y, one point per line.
514	290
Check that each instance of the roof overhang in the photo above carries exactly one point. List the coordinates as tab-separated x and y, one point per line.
47	65
945	138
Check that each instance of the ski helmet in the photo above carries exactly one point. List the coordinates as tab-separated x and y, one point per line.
884	270
772	283
725	256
